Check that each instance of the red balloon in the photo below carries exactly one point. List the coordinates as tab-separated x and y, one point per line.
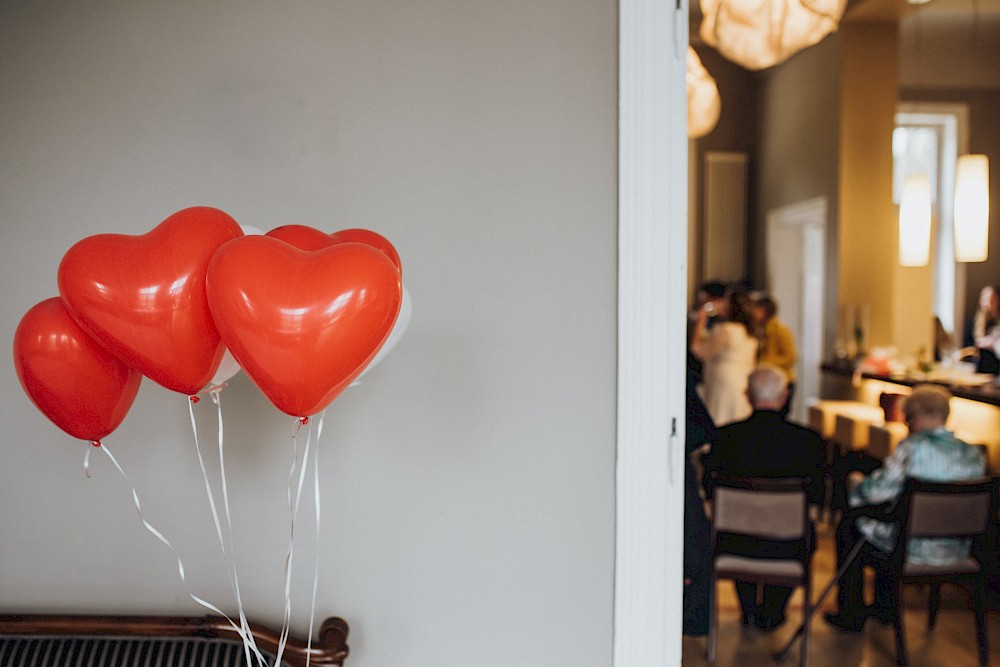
143	297
84	389
307	238
302	324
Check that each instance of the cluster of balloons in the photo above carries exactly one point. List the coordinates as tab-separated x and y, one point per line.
190	303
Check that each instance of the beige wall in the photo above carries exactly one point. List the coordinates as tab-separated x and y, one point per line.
898	298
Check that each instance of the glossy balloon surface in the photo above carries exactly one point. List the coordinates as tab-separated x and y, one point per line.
143	297
84	389
302	325
307	238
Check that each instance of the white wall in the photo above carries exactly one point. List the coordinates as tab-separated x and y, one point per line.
467	484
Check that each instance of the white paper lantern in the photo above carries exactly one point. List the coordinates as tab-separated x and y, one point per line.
761	33
703	101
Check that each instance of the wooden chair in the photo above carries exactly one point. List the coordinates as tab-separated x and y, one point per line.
964	510
767	509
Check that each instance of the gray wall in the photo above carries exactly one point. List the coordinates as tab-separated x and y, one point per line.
799	113
467	483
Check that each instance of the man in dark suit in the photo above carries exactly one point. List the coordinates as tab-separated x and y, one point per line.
765	445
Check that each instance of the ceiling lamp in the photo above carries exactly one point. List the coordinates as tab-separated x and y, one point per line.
704	104
972	208
761	33
915	221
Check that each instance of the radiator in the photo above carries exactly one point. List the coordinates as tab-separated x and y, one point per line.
724	240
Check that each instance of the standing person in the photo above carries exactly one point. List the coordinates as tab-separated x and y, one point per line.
777	345
699	432
712	297
728	353
765	445
931	452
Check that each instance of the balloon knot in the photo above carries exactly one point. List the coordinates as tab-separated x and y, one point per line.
194	399
303	420
95	443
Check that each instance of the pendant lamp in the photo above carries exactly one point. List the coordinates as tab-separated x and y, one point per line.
972	208
915	221
703	102
761	33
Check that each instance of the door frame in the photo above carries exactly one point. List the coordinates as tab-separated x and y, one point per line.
652	324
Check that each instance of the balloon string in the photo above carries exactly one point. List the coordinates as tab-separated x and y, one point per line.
312	609
180	564
250	645
294	498
229	549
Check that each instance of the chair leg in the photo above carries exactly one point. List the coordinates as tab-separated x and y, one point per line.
933	604
712	620
980	609
806	615
901	657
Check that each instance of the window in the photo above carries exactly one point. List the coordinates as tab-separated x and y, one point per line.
928	139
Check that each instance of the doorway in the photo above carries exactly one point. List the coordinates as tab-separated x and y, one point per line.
796	257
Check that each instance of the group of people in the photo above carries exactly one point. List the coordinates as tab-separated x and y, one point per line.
737	408
731	333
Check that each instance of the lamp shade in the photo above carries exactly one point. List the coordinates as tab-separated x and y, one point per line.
972	208
704	104
915	221
761	33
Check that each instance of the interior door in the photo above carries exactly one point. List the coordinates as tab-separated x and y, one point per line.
796	254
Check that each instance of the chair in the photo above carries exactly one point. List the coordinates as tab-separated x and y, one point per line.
771	510
965	509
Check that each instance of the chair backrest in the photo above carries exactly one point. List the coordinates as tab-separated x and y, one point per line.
950	509
768	508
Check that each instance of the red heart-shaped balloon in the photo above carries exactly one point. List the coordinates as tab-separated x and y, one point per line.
143	297
302	324
84	389
307	238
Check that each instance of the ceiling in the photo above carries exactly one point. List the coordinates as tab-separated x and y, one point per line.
950	10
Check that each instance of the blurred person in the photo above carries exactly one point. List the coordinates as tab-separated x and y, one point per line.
728	353
930	452
777	344
983	332
711	297
765	445
699	433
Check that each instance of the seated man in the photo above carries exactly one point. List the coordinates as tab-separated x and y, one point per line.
931	453
765	445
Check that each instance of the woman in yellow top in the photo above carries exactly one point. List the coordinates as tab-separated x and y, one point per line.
777	346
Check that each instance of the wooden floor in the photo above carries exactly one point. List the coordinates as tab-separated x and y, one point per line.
952	643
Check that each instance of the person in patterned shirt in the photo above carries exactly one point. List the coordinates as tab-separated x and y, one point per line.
931	452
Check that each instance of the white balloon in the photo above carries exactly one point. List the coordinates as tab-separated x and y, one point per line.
398	329
227	369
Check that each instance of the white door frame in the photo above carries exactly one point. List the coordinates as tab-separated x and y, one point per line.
652	290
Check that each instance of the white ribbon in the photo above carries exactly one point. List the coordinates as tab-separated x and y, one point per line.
244	635
225	543
294	498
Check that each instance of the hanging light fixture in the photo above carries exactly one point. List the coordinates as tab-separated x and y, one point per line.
915	221
972	208
704	104
761	33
